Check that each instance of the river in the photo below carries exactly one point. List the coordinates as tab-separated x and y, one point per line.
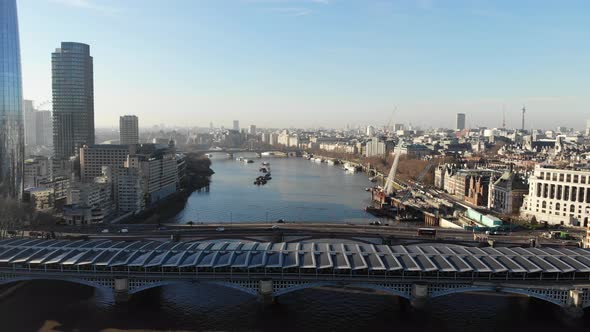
213	308
300	190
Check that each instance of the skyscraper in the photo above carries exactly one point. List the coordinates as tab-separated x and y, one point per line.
128	130
73	98
237	125
44	128
460	121
30	124
12	142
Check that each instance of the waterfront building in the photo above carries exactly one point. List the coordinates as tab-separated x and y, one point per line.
413	151
94	157
377	147
128	130
156	171
73	98
506	193
558	196
274	139
12	140
128	190
460	123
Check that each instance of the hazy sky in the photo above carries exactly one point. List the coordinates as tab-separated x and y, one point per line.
306	63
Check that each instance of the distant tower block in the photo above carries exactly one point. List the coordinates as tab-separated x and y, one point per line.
523	112
460	125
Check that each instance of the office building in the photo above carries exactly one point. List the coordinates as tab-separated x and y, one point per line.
43	128
94	157
370	131
460	121
506	193
12	140
236	125
588	127
252	130
128	130
30	123
558	196
73	98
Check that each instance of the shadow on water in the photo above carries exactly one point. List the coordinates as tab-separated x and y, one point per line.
196	307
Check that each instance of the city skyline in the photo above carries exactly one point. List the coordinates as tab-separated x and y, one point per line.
248	59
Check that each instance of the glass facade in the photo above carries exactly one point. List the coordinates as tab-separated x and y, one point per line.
12	143
73	98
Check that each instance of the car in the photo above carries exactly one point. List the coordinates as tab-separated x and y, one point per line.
124	230
106	230
162	228
376	223
220	229
275	228
281	221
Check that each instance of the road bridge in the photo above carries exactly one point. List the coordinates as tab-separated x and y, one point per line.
267	270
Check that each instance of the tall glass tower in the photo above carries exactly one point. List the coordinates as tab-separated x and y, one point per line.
12	142
73	98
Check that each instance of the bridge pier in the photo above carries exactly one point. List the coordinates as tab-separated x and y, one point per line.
419	296
574	307
121	290
266	292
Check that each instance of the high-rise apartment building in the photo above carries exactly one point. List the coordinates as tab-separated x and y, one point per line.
128	130
73	98
460	121
12	141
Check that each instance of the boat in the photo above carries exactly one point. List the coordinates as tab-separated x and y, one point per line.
250	161
266	163
350	168
331	162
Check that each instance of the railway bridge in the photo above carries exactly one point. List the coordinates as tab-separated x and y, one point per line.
417	272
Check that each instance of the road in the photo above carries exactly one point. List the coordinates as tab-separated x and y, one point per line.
298	230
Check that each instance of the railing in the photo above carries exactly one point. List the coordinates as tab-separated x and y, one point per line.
318	275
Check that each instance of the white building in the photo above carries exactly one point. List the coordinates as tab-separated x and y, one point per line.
94	157
370	131
558	196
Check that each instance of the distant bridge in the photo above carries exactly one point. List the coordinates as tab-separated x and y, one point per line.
559	276
232	151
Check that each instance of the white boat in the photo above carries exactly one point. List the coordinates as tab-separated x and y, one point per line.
350	168
331	162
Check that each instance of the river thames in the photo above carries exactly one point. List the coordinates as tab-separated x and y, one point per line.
300	190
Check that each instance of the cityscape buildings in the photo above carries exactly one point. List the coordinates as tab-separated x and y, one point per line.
12	140
73	98
460	121
128	130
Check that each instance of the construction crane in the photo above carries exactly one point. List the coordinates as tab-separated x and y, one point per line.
419	179
388	188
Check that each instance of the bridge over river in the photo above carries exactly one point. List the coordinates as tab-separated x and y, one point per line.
267	270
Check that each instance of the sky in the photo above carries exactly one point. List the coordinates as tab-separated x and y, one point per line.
312	63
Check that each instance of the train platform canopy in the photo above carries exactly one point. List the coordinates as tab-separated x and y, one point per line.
337	257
